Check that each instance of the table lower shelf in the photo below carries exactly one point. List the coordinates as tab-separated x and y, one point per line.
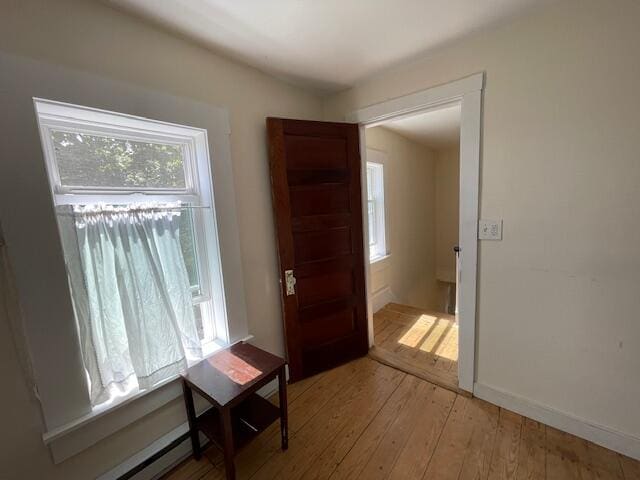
248	419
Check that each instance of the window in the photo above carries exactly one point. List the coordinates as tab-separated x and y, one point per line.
375	210
134	201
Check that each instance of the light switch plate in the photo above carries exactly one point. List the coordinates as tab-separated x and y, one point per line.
490	230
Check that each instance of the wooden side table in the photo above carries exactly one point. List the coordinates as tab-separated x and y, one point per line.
229	380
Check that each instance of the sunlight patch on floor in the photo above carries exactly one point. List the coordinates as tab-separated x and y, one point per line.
416	332
432	334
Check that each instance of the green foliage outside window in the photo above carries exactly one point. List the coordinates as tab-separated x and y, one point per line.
95	161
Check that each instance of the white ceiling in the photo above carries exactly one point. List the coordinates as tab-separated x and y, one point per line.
327	45
436	129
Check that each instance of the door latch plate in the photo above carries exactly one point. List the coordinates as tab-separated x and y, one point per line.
290	282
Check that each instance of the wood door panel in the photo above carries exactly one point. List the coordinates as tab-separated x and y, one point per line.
319	200
319	222
307	152
338	264
327	328
315	176
310	313
321	244
322	357
320	288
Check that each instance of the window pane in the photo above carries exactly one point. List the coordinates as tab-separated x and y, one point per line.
372	222
189	252
370	174
97	161
203	314
197	313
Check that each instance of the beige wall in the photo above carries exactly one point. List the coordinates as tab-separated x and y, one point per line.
447	182
558	302
410	270
447	224
103	42
558	297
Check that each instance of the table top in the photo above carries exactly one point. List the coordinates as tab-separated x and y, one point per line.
229	373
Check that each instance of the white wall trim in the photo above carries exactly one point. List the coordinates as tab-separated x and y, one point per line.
468	93
365	233
470	127
428	99
380	298
72	439
606	437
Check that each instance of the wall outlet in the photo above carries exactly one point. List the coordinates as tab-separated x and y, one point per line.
490	230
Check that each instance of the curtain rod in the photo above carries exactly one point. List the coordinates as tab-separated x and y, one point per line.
134	209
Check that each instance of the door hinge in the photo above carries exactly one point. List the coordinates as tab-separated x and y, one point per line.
290	281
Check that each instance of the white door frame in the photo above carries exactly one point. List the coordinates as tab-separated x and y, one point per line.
468	93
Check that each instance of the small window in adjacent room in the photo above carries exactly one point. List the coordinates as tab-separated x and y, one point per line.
134	203
375	210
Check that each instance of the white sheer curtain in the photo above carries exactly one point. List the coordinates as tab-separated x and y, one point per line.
131	294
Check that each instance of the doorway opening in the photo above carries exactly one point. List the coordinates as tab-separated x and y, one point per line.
467	93
413	188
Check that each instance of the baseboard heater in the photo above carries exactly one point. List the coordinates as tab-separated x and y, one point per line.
152	458
162	446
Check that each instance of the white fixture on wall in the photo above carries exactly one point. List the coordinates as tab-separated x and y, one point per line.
490	230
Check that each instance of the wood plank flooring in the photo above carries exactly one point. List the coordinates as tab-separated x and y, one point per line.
419	342
365	420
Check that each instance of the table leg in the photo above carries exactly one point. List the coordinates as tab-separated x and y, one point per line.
284	417
191	417
227	432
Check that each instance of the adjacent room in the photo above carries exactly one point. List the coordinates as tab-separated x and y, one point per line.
413	189
293	239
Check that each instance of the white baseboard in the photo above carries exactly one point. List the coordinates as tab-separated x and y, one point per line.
380	298
620	442
617	441
174	456
160	466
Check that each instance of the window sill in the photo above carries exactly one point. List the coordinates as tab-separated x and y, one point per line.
73	437
379	258
379	262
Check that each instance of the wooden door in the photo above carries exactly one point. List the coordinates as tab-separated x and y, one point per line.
315	179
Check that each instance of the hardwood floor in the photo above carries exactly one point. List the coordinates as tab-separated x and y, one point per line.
419	342
365	420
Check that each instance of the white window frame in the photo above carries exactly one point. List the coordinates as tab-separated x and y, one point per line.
28	222
375	199
198	190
